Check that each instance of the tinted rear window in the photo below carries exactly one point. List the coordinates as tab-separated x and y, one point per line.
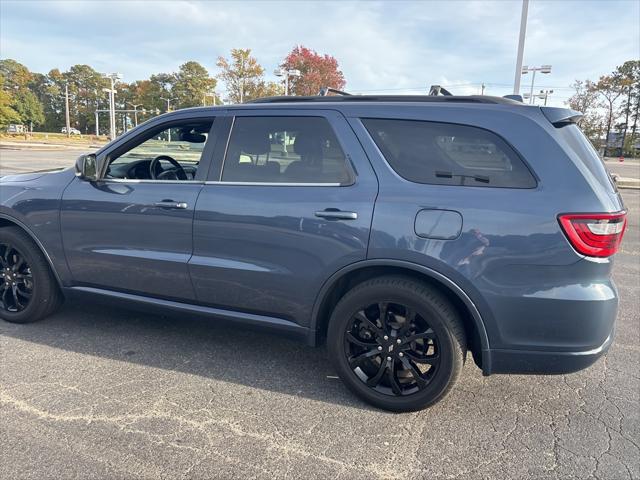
448	154
582	147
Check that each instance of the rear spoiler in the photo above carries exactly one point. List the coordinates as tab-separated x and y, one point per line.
561	116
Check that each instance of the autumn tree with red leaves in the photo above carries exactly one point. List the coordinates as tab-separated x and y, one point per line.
316	70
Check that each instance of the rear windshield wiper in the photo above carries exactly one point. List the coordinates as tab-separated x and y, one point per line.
477	178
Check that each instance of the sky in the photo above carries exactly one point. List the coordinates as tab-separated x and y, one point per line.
382	47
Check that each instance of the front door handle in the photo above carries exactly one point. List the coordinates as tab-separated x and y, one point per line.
170	204
335	214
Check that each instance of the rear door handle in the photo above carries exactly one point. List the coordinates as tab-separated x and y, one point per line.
170	204
336	215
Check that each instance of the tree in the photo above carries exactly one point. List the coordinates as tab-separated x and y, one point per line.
610	89
586	100
50	90
628	76
85	95
25	106
7	114
29	108
16	76
316	70
191	84
242	75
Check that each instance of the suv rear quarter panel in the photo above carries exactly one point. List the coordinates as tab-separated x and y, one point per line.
533	290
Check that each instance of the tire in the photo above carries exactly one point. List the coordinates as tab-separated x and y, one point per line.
420	349
36	290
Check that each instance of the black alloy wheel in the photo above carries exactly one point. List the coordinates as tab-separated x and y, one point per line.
16	279
391	348
396	342
29	291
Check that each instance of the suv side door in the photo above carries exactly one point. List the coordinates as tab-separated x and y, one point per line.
134	235
289	201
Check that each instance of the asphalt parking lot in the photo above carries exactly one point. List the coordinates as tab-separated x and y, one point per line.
98	392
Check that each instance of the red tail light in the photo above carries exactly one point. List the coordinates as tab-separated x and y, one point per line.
594	234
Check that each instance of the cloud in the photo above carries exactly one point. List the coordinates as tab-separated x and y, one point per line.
381	46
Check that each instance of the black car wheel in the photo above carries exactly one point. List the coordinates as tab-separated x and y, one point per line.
28	290
396	343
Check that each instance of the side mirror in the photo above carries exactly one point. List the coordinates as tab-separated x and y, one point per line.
87	167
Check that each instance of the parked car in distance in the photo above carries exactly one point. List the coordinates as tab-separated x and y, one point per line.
16	128
408	233
72	131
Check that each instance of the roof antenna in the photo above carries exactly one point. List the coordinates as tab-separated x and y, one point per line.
436	90
324	91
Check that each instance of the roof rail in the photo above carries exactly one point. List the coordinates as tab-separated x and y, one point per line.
324	91
485	99
516	97
436	90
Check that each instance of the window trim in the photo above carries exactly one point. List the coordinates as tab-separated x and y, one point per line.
148	133
278	184
520	157
285	113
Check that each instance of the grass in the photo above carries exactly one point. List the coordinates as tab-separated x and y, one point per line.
53	138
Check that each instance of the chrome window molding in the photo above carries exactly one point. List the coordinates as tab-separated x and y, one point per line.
275	184
134	180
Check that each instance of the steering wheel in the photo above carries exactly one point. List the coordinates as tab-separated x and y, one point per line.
157	173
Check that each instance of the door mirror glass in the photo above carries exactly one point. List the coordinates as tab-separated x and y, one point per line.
87	167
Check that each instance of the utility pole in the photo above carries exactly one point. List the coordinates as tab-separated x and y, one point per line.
97	127
520	55
66	107
482	92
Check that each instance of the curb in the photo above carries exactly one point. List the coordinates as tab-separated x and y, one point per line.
626	182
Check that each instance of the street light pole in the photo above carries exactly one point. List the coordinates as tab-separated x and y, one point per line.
66	107
542	69
135	111
209	94
533	79
168	100
543	95
112	101
281	72
520	55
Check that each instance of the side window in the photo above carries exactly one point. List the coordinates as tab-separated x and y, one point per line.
172	153
448	154
284	150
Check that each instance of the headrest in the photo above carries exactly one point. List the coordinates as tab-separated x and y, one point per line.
192	137
253	143
308	144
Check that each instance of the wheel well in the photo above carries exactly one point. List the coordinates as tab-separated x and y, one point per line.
351	279
5	222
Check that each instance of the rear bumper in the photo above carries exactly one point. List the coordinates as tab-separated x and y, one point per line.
542	362
557	330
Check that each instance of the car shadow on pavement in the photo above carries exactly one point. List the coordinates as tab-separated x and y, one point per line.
207	347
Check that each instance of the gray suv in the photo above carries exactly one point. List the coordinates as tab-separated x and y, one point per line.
405	232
